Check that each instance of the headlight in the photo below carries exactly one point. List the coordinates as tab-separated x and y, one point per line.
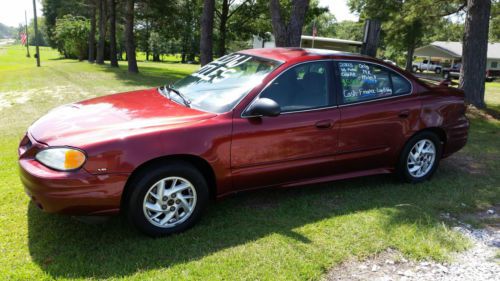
61	158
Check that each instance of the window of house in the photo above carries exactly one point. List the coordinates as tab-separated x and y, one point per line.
494	64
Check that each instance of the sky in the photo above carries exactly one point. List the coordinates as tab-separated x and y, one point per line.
12	11
339	9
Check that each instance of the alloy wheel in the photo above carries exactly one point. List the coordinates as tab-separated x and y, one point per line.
169	202
421	158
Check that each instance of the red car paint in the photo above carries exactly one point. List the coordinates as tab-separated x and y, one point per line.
121	133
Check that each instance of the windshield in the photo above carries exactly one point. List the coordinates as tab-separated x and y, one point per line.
218	86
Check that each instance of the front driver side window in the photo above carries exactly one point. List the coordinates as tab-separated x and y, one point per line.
301	87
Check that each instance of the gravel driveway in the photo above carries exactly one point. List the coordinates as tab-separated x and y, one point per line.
481	262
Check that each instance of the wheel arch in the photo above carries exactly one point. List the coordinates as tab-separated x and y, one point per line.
440	132
198	162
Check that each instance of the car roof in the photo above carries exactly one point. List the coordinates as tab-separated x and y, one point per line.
291	54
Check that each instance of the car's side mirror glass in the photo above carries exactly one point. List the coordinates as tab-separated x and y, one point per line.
264	107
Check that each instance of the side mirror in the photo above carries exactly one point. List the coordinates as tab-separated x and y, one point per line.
264	107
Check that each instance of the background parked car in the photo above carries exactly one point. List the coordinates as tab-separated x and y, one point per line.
454	73
427	65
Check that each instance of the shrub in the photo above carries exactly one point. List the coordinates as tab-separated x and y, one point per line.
71	35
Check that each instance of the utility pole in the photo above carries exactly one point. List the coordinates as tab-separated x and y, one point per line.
27	37
36	35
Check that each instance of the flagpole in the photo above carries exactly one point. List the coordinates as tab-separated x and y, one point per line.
314	33
36	36
27	39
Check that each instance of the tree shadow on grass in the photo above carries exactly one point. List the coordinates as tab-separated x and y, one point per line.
64	247
148	76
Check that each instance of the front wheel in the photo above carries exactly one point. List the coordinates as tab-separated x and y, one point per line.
167	199
437	70
420	157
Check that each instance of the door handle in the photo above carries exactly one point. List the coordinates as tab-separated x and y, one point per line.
404	114
324	124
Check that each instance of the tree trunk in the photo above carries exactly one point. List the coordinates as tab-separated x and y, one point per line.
288	34
147	40
102	32
223	28
371	35
474	53
207	24
409	58
93	11
156	57
129	37
112	33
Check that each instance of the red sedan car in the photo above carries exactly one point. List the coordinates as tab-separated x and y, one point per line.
256	118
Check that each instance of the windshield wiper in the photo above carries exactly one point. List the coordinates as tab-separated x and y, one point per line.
185	99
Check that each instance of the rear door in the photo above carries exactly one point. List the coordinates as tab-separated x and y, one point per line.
379	112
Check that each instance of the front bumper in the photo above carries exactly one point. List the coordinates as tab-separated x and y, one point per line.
75	193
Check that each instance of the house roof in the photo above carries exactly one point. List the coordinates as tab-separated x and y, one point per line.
331	40
287	54
453	50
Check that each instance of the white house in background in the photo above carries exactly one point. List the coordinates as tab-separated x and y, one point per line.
452	52
314	42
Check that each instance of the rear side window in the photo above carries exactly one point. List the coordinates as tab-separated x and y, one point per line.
364	81
400	85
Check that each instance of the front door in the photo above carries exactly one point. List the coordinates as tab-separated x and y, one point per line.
298	144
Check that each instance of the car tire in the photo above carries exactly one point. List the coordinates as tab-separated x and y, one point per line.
167	199
437	70
415	69
415	166
446	75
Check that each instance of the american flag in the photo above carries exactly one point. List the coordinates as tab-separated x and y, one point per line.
23	38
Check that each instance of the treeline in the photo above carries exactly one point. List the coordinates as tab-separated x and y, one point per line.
174	27
7	32
86	28
100	30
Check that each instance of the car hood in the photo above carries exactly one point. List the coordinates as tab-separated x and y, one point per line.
114	116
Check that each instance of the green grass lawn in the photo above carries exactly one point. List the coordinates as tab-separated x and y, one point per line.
286	234
493	97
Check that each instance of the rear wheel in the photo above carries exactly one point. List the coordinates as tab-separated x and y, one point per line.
415	69
167	199
420	157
